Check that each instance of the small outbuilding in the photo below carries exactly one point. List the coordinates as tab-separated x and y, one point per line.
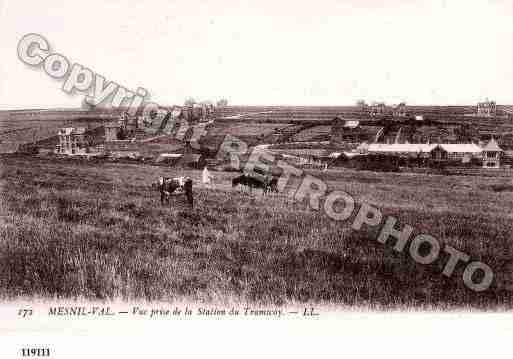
192	160
492	154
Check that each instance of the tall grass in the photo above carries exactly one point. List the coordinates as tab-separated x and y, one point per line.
78	230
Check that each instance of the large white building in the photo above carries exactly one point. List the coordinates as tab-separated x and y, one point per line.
490	153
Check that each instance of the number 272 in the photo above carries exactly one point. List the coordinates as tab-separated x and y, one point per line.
25	312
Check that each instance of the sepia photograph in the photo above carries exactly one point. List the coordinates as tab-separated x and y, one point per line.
284	174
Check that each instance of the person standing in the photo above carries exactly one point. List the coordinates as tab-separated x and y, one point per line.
206	177
188	192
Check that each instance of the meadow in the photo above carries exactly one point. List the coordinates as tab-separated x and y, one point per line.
97	231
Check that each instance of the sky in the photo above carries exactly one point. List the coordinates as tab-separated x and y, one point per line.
267	52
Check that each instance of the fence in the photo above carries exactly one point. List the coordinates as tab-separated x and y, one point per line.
461	171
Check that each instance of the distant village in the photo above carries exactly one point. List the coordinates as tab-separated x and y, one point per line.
132	137
349	140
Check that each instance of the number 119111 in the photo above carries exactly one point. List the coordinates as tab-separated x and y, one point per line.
35	352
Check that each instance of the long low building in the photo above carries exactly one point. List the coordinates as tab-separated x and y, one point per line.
491	153
452	150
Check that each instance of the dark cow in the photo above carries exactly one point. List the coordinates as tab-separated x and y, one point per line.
239	180
267	185
272	185
247	181
167	186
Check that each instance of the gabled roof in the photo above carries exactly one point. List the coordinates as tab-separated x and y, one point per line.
492	146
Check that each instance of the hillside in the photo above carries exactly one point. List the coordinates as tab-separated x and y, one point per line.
109	238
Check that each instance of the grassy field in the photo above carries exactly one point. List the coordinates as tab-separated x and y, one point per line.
96	231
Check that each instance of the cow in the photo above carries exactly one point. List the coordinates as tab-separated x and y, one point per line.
167	186
240	180
267	185
272	185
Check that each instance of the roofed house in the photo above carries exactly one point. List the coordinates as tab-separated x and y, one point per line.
378	109
400	110
9	147
192	160
112	131
177	113
487	108
492	154
398	148
71	141
305	156
351	124
169	158
437	152
456	151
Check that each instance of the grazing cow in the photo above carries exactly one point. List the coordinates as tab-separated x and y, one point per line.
240	180
272	185
253	182
168	186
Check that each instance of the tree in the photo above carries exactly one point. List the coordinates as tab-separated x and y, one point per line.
222	102
189	101
362	106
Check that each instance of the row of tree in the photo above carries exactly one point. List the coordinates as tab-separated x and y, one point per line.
190	101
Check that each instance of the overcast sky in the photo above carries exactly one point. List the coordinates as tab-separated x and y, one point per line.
268	51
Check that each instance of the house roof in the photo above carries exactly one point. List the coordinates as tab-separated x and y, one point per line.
112	125
303	152
492	146
400	147
351	124
72	130
168	156
171	155
191	157
461	148
9	147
